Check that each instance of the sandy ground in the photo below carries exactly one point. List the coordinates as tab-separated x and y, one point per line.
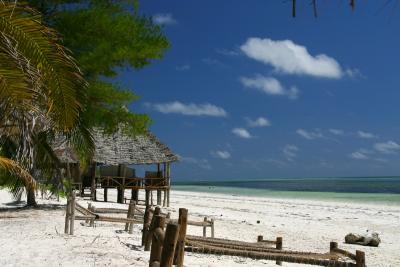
34	237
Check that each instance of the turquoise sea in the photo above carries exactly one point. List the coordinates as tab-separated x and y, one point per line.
354	189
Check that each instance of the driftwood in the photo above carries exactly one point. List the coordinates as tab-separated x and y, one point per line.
368	239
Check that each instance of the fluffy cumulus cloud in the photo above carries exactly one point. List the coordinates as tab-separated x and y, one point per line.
389	147
189	109
242	133
269	85
222	154
290	152
259	122
309	135
365	135
164	19
336	131
287	57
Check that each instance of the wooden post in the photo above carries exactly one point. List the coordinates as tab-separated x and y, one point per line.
121	188
165	198
180	244
157	240
279	246
360	259
67	214
135	194
333	246
89	208
151	228
205	227
260	238
168	249
130	230
158	197
72	217
146	224
147	197
93	187
92	209
130	214
168	182
105	194
212	228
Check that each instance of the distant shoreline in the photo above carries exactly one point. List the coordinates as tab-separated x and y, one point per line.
370	198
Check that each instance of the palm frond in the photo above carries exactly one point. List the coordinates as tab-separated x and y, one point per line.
13	168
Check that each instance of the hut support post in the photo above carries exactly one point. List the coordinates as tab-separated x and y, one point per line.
168	180
135	195
180	244
105	194
158	190
168	249
121	188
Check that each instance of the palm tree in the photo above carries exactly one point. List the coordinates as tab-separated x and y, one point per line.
41	91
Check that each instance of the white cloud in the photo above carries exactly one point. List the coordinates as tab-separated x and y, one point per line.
241	132
288	57
336	131
164	19
202	163
189	109
290	151
310	135
183	67
359	155
366	135
389	147
269	85
222	154
259	122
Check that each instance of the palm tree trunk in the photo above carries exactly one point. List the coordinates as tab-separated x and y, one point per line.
30	197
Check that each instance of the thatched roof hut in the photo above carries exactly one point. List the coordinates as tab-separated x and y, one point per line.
120	148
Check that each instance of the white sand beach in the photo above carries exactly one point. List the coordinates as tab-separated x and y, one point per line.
34	237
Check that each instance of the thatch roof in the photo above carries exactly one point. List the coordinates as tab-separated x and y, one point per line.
120	148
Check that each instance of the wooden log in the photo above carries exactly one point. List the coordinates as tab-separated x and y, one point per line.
105	194
180	245
67	214
260	238
151	228
205	227
168	249
360	259
212	228
157	236
72	216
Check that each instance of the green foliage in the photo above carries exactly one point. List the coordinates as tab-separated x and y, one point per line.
106	36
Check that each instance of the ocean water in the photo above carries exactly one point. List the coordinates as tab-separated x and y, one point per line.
358	189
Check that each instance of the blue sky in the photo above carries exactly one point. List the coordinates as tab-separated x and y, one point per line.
247	91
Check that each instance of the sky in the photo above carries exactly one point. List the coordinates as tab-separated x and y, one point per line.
248	92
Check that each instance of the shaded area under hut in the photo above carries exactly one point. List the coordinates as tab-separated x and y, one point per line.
112	166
